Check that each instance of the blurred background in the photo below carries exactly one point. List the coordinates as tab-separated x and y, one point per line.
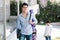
42	9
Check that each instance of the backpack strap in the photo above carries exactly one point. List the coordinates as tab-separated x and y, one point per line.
30	16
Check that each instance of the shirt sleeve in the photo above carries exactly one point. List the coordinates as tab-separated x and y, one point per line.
51	27
18	23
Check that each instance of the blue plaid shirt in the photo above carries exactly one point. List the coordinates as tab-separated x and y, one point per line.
24	25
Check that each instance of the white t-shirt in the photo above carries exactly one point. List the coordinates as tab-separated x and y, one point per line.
48	30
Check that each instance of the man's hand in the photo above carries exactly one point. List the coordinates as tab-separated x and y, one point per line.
31	22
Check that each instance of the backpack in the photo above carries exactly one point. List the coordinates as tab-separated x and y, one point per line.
33	27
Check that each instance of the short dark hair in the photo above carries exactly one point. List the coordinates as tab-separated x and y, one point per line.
48	21
24	4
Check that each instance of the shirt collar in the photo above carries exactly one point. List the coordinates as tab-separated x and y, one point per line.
22	15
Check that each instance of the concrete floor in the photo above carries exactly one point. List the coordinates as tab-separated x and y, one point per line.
40	31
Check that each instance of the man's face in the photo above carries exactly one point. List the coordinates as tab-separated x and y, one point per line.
25	9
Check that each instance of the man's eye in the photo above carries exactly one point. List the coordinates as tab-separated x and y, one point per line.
24	7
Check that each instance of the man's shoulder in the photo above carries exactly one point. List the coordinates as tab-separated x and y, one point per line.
19	15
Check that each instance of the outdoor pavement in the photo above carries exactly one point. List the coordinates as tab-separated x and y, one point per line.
40	32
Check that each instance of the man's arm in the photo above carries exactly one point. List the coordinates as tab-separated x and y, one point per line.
18	23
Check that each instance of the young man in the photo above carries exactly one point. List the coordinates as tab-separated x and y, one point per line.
48	30
24	24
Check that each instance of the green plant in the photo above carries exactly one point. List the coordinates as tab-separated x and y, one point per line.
51	12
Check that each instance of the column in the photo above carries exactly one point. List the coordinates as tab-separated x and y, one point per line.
17	6
4	11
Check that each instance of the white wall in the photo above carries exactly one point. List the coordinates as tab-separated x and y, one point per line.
30	2
1	12
25	1
33	2
7	9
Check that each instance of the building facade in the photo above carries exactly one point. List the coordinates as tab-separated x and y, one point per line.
30	2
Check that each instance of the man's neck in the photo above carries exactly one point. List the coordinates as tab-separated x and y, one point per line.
25	15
